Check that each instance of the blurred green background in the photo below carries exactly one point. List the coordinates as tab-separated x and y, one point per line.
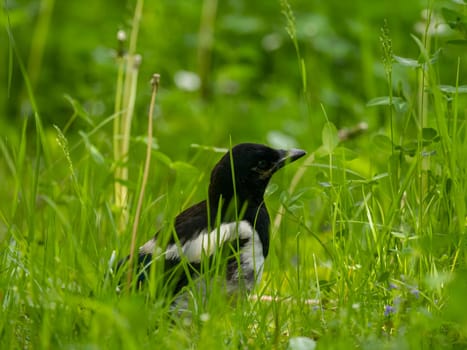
251	83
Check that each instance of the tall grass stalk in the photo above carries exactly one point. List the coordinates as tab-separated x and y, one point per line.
41	146
117	132
124	110
206	44
39	39
288	14
155	86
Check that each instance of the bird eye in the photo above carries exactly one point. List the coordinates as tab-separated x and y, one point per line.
263	165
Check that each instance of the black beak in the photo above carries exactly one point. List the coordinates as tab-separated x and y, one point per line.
289	157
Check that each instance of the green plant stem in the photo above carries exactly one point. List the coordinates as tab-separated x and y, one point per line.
206	42
117	133
147	164
131	53
128	117
39	39
124	123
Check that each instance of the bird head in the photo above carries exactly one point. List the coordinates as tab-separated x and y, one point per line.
253	165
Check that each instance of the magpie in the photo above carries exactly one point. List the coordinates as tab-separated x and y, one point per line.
232	224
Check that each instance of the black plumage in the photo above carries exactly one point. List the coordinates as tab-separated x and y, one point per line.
233	222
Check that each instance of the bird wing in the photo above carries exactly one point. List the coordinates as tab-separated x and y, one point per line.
194	240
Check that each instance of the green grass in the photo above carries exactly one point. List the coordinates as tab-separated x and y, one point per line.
370	251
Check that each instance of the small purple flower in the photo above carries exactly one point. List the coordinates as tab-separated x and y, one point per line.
415	292
389	310
392	286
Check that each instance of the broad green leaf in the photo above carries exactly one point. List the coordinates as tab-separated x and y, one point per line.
422	48
345	153
449	89
435	57
399	104
144	140
330	137
383	142
379	101
407	62
271	189
79	110
184	167
96	155
429	133
163	158
321	152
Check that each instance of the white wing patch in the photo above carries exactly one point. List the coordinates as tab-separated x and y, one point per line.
204	243
207	242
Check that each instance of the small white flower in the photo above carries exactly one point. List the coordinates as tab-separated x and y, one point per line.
121	35
188	81
301	343
204	317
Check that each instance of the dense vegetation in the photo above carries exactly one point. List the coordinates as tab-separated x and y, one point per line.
369	246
